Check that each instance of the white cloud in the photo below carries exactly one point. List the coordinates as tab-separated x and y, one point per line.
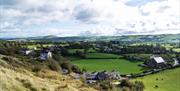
101	17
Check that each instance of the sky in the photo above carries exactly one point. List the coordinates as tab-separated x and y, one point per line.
27	18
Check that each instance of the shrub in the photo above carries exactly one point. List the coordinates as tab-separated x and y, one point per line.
125	83
76	69
105	84
53	65
67	65
36	69
129	86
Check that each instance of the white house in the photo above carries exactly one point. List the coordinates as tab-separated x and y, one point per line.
25	51
176	62
45	55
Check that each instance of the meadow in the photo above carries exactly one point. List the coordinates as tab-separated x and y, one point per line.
176	49
168	80
102	56
109	62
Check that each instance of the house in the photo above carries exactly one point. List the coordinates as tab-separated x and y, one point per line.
25	51
176	62
45	54
102	75
98	76
114	75
91	76
156	62
107	49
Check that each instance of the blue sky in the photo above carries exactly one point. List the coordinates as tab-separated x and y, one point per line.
26	18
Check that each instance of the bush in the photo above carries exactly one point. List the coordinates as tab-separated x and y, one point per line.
125	83
67	65
105	84
53	65
80	54
36	69
76	69
130	86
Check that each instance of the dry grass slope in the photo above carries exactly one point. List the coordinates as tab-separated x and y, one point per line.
19	79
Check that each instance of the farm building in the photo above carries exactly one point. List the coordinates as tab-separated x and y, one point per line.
102	75
91	76
156	62
114	75
176	62
107	49
45	54
25	51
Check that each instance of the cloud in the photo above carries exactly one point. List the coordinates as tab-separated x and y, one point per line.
140	2
85	14
94	17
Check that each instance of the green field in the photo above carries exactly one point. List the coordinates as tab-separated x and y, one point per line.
176	49
105	61
168	80
102	56
71	51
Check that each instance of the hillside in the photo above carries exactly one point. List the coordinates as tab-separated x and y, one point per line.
164	38
15	76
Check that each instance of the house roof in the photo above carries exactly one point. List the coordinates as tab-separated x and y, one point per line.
45	51
159	59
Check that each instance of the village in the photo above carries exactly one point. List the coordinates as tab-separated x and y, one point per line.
97	64
154	63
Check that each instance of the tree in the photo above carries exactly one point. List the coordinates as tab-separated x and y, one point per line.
80	54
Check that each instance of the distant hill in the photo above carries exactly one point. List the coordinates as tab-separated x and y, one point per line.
170	38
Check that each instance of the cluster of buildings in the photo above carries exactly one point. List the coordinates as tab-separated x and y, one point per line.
93	77
44	53
159	62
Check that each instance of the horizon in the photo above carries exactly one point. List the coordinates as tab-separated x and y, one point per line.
67	18
84	36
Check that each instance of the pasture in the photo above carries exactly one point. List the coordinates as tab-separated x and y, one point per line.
168	80
102	56
176	49
109	62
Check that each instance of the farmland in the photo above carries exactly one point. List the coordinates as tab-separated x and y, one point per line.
176	49
166	81
103	61
102	56
81	59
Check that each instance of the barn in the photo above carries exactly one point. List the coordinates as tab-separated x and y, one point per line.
156	62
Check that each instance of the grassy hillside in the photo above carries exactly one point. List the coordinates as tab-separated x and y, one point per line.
168	80
15	76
